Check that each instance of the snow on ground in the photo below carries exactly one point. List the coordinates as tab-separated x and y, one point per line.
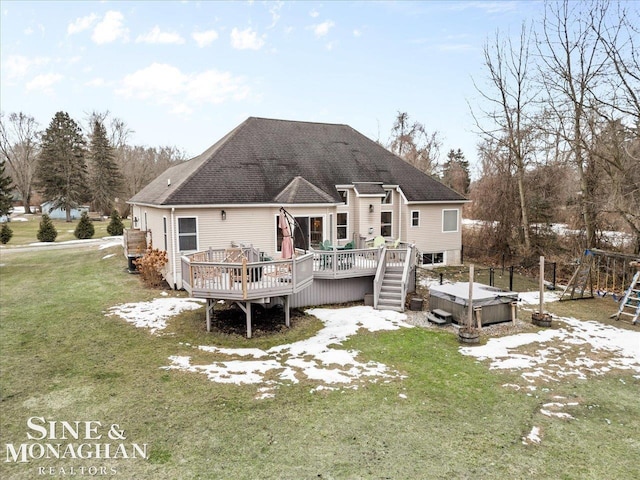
154	314
315	358
578	349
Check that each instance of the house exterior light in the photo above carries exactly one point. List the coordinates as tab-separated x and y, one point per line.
223	214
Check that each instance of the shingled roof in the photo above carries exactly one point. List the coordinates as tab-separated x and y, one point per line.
279	161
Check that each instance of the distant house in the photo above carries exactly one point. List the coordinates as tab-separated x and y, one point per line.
61	213
340	187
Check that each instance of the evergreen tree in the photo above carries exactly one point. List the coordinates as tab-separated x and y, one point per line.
106	180
47	232
5	233
62	171
84	229
115	226
455	172
5	192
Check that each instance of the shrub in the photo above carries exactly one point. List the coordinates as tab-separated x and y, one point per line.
115	227
47	232
84	229
151	266
5	233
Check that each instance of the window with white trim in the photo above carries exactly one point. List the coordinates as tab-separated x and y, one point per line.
341	225
415	218
385	224
344	196
450	220
164	233
388	197
434	258
187	234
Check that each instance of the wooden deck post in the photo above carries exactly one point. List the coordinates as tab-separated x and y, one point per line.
244	279
248	313
210	311
287	320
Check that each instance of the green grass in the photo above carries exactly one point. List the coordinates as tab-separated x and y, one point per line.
63	359
26	232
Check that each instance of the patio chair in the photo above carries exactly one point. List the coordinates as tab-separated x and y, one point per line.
378	241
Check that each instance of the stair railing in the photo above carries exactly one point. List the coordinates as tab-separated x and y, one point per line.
408	260
377	281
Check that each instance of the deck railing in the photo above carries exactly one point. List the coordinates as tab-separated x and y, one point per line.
345	263
207	275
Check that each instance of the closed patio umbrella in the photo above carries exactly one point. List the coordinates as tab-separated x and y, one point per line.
287	240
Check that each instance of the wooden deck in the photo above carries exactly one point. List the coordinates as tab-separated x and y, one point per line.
212	274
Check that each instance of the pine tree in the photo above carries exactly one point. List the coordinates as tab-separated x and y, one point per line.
106	180
47	232
5	233
115	226
84	229
62	171
5	192
455	172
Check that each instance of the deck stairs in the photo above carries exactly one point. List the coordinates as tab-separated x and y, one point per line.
391	297
630	304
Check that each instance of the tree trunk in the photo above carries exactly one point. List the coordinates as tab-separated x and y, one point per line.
68	214
523	207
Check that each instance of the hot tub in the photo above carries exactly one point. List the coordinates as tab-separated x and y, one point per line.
491	304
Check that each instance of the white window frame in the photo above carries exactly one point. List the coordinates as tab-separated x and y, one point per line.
412	218
165	233
444	211
390	222
388	195
189	234
346	195
444	258
345	226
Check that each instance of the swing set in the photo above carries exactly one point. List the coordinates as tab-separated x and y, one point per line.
600	273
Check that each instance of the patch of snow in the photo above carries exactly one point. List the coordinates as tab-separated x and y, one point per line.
155	313
562	415
533	298
108	256
533	437
316	358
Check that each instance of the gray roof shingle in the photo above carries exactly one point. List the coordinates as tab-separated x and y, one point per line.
259	160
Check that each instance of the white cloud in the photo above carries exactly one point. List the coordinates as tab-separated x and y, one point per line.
167	85
246	39
357	32
156	36
28	31
110	29
274	10
95	82
204	38
321	29
44	82
314	13
81	24
17	66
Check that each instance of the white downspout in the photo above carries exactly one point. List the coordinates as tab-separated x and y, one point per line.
173	248
399	214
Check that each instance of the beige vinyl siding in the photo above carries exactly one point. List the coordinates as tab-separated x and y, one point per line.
429	237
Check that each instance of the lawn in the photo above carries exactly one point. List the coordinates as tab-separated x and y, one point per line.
448	416
25	230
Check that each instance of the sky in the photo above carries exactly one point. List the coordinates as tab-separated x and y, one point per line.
185	73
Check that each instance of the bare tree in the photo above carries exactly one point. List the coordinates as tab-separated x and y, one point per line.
19	146
511	96
573	68
411	142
